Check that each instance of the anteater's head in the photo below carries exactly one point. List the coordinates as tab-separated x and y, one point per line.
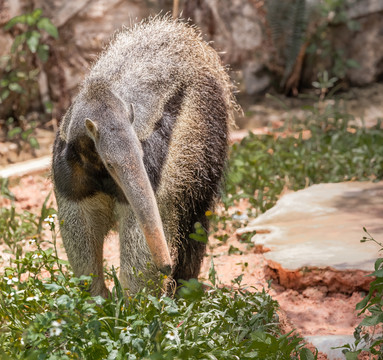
110	124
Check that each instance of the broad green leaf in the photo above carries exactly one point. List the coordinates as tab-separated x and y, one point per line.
12	133
32	18
306	354
171	310
19	39
251	355
352	63
377	273
360	305
15	87
154	301
26	133
63	300
45	24
4	82
36	14
43	52
53	287
138	344
378	263
4	94
212	273
33	39
199	238
60	261
48	106
21	19
372	320
352	355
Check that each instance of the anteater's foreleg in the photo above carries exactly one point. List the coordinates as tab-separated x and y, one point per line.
84	225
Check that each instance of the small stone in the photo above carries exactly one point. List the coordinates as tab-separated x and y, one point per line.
314	293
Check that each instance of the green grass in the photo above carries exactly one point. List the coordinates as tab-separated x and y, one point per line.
262	166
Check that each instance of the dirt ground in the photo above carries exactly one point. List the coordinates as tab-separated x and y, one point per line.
312	311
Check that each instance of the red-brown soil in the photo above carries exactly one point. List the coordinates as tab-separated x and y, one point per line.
316	309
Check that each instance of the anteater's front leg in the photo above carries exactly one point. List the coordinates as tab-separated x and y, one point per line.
84	225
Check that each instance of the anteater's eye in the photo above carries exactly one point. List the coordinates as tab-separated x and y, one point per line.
109	165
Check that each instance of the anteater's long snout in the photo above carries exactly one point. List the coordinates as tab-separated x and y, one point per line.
135	183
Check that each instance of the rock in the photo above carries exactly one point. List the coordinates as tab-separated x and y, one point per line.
329	344
366	48
237	30
358	9
61	11
316	293
241	31
314	234
85	27
299	219
256	78
335	281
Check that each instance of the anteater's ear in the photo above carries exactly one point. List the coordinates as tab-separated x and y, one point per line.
131	113
92	129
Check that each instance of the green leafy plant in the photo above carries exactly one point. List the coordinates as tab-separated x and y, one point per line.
46	313
15	226
331	13
19	88
23	130
369	333
4	189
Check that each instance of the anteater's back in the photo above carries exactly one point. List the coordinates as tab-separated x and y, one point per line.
148	63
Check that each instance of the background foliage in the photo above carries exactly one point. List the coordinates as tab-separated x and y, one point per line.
19	71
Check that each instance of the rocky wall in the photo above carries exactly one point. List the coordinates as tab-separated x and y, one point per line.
85	26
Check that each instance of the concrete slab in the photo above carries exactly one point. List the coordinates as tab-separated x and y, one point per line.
328	344
321	226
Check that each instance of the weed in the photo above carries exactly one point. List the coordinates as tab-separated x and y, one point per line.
17	227
369	333
246	239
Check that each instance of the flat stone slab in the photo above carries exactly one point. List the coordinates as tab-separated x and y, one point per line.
328	344
321	226
26	167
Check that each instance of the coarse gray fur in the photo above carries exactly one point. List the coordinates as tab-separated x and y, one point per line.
175	140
